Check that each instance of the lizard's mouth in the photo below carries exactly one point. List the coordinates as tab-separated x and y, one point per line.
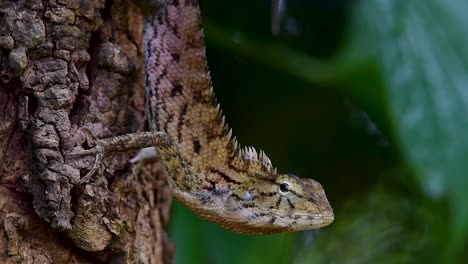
326	219
301	222
316	220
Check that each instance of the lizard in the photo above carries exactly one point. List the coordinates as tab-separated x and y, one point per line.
235	187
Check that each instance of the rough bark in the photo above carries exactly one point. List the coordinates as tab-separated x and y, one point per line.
68	69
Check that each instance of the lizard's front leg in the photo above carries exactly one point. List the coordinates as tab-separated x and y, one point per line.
129	142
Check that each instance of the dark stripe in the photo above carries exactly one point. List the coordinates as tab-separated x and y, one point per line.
291	204
204	198
220	191
163	73
272	220
278	202
296	194
175	56
294	216
164	20
237	197
254	216
210	135
238	208
230	166
149	90
248	205
269	194
212	187
159	19
200	97
225	176
169	119
311	199
196	146
152	115
176	89
269	179
152	99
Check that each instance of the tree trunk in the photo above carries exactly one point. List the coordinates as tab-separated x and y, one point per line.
70	69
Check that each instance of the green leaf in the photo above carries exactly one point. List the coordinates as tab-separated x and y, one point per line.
420	47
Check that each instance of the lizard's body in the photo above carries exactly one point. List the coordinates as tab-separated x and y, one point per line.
235	188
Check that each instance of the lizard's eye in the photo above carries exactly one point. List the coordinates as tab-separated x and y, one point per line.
288	185
284	187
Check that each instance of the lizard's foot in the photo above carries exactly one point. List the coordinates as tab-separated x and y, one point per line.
98	151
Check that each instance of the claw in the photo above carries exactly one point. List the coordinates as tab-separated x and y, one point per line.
97	164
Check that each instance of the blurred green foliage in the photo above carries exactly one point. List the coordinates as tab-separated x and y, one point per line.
368	97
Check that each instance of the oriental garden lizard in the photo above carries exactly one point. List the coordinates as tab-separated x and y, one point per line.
236	188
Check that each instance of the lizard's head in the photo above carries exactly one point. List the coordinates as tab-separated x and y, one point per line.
280	203
263	205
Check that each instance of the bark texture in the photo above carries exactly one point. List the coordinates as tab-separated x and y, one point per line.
70	69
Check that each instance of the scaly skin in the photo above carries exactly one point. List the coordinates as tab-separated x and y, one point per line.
208	172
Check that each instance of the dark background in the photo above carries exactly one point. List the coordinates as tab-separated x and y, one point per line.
367	97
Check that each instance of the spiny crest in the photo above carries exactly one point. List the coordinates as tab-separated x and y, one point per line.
265	161
234	144
250	154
